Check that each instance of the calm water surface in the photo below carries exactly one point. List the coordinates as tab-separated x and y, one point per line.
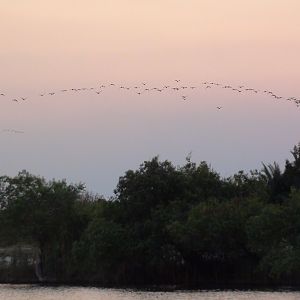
35	292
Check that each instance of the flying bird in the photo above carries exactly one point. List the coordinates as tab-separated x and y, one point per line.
164	88
12	131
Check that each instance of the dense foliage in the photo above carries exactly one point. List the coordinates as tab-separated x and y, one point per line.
165	225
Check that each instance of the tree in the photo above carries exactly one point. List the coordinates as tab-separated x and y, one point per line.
41	213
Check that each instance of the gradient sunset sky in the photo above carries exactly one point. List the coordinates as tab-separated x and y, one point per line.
52	45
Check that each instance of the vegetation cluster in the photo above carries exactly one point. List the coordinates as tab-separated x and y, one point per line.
165	224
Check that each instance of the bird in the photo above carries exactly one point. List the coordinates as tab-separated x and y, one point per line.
16	131
177	87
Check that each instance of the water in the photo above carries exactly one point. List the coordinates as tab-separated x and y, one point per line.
35	292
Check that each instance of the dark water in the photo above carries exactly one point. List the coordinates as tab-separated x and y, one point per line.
35	292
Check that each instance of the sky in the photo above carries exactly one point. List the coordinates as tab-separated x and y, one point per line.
47	46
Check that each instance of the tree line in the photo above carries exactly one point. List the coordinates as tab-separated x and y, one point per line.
165	224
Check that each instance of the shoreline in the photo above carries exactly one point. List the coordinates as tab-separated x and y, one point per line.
165	288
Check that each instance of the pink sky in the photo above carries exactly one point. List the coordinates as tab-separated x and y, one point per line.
49	45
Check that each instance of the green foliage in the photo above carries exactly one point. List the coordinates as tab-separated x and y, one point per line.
274	235
41	213
165	225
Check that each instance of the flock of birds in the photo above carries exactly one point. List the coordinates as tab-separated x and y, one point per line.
177	86
12	131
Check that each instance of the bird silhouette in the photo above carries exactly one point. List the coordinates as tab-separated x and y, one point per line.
164	88
12	131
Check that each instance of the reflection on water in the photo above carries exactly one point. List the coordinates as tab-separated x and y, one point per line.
35	292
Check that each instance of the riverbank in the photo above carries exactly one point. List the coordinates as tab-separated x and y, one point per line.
37	292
